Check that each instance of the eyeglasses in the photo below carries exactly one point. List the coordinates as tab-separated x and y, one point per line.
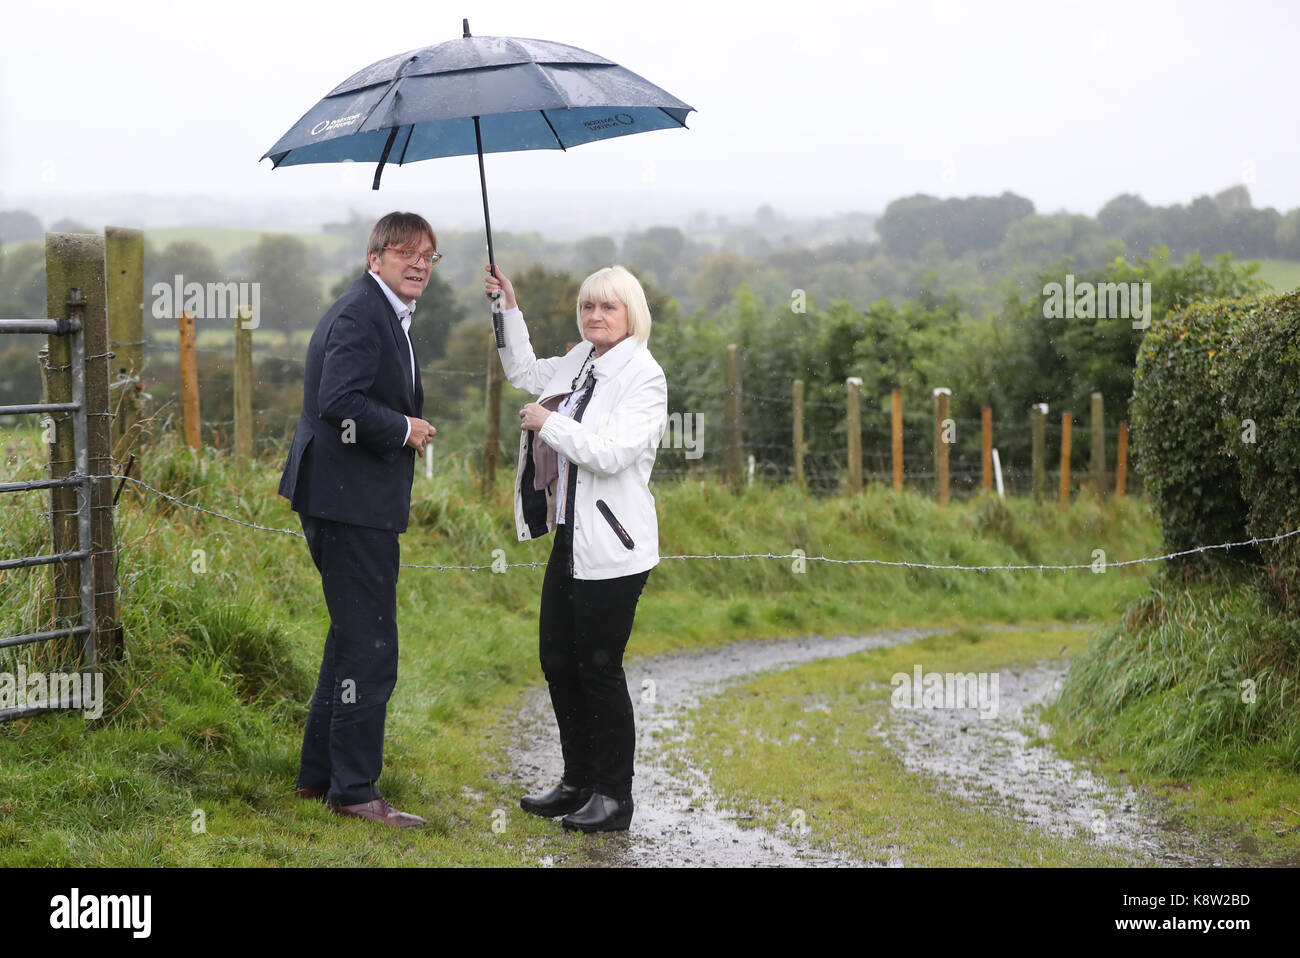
415	256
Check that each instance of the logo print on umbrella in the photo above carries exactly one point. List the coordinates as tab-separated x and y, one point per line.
326	125
605	122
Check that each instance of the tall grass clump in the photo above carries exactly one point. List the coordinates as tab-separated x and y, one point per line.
1196	678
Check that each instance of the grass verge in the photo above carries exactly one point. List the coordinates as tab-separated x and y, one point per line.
195	758
1194	693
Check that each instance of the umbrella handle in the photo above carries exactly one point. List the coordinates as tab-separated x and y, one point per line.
498	326
498	319
482	180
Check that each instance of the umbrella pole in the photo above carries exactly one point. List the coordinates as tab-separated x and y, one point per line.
498	327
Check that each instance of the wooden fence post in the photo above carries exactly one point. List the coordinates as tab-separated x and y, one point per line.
854	428
1067	421
492	409
1098	455
986	447
896	436
1121	462
731	459
56	368
800	447
77	261
189	380
942	444
124	275
1038	416
243	387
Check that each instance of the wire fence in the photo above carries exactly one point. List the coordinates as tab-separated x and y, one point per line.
1094	566
767	451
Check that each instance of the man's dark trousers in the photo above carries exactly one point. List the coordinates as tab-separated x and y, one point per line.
343	745
348	476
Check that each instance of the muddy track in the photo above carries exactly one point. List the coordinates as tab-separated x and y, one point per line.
994	763
990	761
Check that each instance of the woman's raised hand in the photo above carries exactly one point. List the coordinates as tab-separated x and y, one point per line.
499	282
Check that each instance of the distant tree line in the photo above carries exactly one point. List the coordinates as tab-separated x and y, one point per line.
1209	225
959	280
972	245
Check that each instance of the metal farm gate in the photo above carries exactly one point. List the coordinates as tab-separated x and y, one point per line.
78	396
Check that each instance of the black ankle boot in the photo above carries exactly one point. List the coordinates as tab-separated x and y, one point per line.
560	800
601	814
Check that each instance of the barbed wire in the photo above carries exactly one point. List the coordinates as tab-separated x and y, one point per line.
1002	568
198	508
896	563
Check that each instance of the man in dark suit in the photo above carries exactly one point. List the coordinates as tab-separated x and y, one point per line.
349	479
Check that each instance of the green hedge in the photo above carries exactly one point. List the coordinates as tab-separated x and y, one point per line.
1259	380
1178	427
1216	427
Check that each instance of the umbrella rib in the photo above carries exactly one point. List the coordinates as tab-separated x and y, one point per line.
366	119
553	133
401	71
410	131
546	78
379	170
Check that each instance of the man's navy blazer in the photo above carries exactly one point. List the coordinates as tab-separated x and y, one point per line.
349	461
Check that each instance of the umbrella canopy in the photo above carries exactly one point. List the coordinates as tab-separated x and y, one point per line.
528	94
476	95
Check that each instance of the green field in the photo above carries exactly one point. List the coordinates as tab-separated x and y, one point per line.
1281	275
292	343
224	242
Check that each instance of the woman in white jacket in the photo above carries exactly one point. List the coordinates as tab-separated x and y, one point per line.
586	449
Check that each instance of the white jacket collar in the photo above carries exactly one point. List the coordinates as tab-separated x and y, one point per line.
605	367
616	357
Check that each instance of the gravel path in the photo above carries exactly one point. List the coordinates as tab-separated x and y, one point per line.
676	821
991	761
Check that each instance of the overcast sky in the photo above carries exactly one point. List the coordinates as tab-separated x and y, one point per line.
812	105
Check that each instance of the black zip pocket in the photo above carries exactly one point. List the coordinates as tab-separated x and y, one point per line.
614	524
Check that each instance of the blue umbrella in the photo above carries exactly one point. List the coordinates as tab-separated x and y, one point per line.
476	95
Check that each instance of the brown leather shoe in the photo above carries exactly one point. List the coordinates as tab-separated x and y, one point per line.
317	793
380	811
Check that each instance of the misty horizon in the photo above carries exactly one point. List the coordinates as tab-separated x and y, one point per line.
552	211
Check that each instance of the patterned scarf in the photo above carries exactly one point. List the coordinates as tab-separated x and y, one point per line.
546	461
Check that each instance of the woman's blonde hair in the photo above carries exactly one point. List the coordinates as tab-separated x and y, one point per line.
616	283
